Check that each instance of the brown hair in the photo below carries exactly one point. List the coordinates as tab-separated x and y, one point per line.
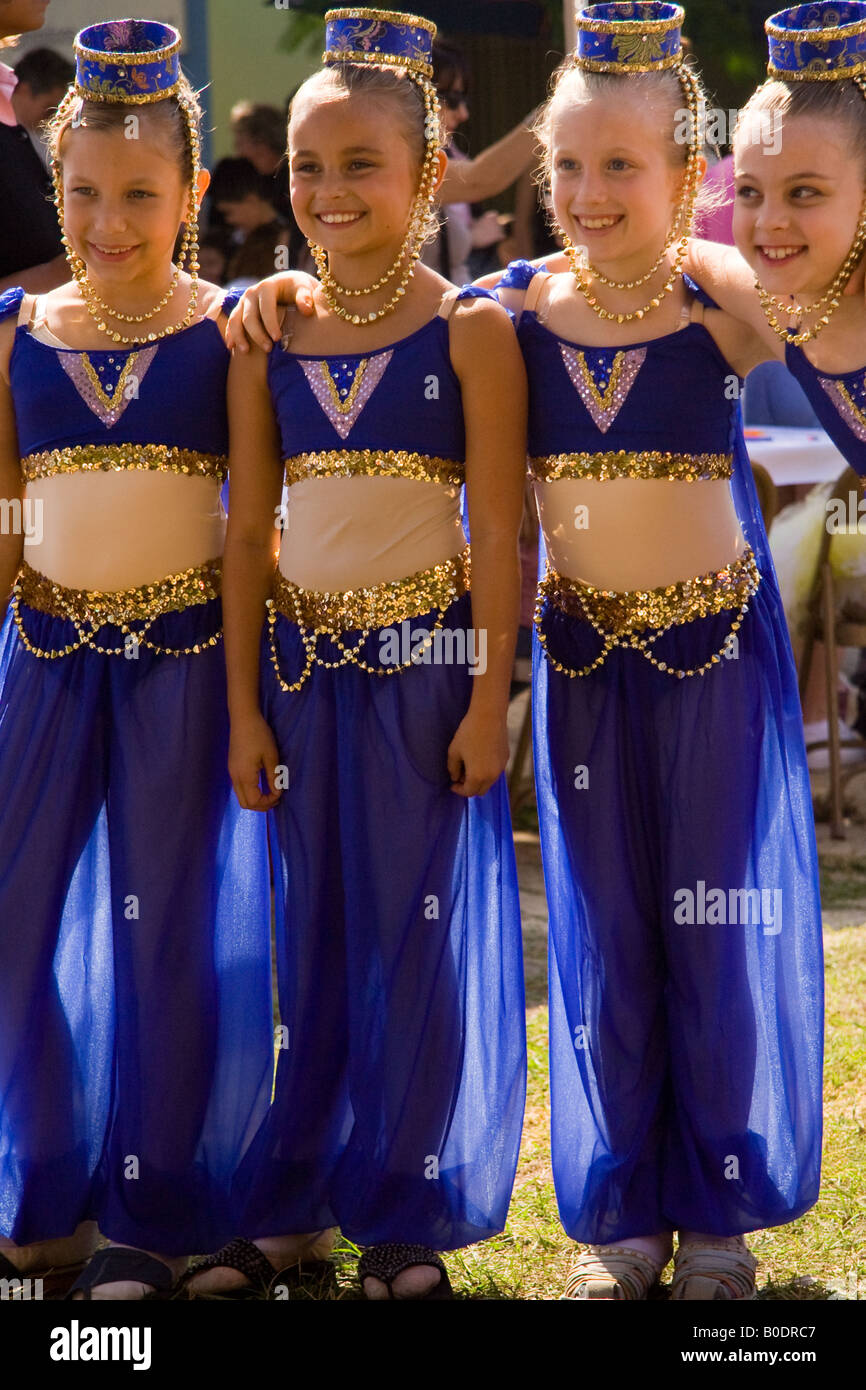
841	101
394	85
164	117
264	124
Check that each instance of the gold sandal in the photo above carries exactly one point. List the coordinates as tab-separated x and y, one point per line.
618	1273
710	1270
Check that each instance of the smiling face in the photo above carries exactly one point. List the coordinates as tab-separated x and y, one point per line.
353	174
614	187
796	211
124	201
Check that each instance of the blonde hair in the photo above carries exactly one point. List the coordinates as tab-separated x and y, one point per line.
662	91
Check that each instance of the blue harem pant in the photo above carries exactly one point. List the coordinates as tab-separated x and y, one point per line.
135	1011
401	1079
685	1013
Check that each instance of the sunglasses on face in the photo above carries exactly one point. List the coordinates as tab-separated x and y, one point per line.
452	100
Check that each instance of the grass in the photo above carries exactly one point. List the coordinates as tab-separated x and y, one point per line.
821	1256
818	1257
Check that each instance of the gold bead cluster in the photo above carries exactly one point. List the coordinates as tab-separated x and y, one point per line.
365	610
89	610
416	232
652	612
680	231
96	306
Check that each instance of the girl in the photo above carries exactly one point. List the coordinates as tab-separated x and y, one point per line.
673	794
685	965
378	725
135	1026
804	233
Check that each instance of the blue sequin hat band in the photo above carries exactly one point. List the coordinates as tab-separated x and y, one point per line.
626	38
817	43
127	60
385	37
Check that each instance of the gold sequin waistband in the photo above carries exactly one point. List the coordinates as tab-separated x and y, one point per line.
685	468
116	458
91	609
372	463
379	605
618	616
363	610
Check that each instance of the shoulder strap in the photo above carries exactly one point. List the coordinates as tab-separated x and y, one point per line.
517	275
701	295
231	301
537	286
10	302
452	297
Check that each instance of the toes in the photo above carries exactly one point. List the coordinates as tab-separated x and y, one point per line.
374	1289
415	1282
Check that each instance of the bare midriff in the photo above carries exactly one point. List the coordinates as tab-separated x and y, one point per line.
118	530
346	533
638	533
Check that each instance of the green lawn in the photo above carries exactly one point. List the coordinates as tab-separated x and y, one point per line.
820	1256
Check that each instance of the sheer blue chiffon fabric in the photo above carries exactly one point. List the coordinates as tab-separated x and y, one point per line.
401	1076
135	1030
685	963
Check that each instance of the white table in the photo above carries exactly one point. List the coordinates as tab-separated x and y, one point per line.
794	457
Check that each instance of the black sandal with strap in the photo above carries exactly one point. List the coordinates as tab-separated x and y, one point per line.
385	1262
240	1254
122	1264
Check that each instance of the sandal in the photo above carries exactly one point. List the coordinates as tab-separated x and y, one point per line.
620	1274
119	1264
246	1257
385	1262
240	1254
711	1270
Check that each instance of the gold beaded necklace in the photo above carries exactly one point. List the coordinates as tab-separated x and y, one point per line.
416	232
585	274
95	305
831	299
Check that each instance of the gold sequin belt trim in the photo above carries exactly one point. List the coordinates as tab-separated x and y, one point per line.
620	617
88	458
91	609
388	463
364	610
686	468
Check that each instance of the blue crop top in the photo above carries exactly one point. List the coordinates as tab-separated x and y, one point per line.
839	401
659	409
159	407
396	412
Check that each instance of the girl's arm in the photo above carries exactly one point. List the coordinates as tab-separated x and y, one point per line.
730	281
11	484
256	317
255	486
488	363
491	171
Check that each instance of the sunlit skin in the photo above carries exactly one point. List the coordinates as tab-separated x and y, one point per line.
355	173
606	184
124	201
354	198
796	212
21	16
